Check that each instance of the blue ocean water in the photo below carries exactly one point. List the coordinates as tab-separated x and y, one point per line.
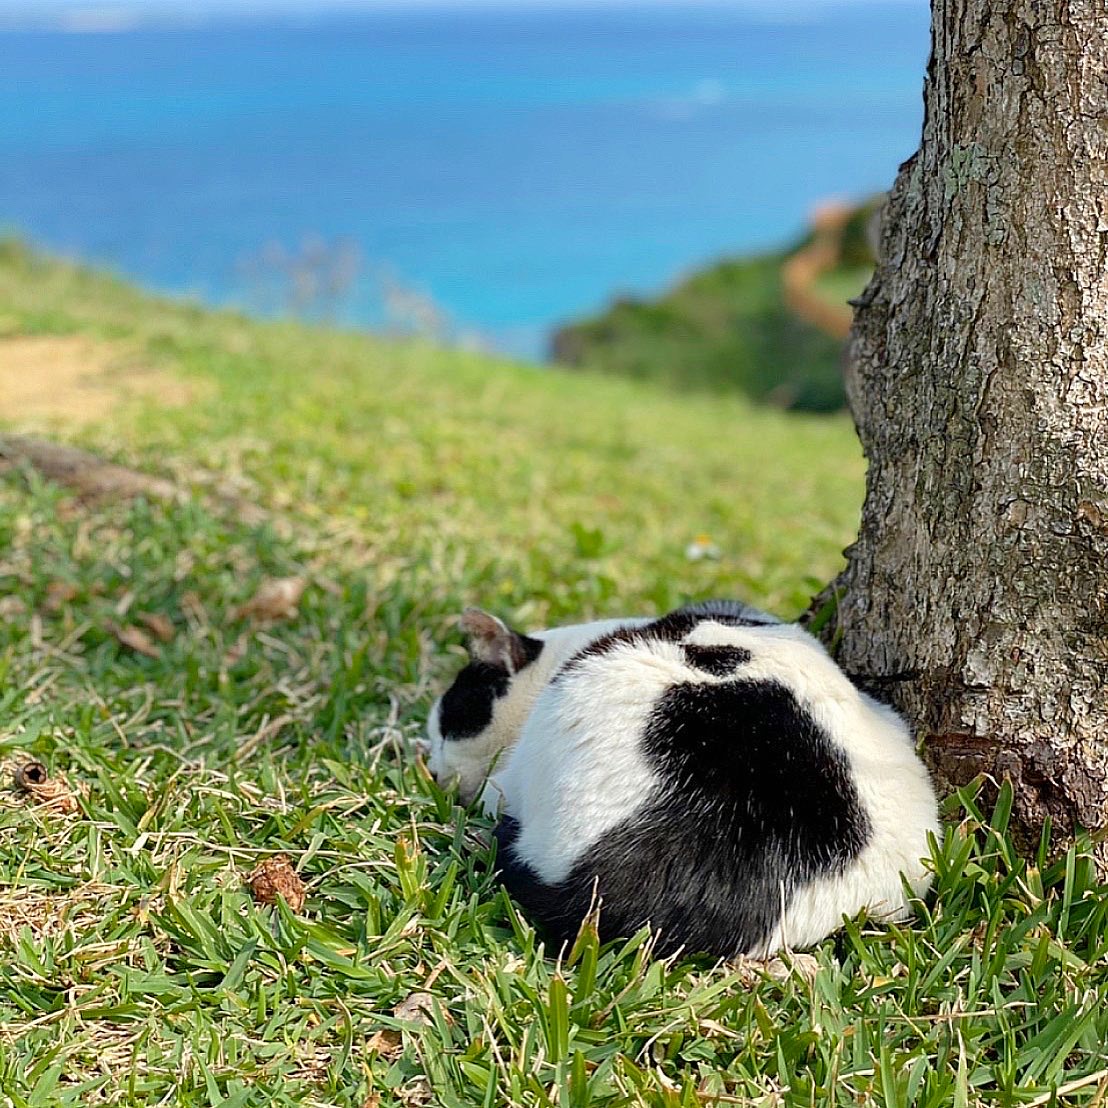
515	166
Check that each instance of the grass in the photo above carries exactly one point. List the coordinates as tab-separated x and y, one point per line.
402	483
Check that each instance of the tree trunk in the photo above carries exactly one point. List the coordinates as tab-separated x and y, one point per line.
976	596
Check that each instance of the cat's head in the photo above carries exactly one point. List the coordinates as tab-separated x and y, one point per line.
482	712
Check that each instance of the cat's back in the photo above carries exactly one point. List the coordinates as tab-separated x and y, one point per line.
702	768
693	709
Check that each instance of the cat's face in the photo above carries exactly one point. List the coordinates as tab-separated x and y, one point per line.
482	712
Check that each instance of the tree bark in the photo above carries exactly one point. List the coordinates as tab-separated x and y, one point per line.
976	596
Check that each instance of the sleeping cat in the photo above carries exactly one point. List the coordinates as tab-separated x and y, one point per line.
711	772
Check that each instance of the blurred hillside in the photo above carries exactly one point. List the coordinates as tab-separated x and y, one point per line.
770	326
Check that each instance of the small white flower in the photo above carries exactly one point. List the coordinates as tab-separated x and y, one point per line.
701	547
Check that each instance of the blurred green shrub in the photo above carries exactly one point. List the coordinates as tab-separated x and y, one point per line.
727	328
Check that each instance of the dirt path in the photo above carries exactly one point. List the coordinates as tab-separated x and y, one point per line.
800	272
76	379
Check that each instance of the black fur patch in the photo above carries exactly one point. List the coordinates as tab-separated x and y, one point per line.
604	645
755	801
720	661
466	708
467	705
524	650
669	628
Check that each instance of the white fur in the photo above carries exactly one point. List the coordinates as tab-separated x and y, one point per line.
578	771
892	784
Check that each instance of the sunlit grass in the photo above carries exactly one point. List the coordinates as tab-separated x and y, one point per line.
402	483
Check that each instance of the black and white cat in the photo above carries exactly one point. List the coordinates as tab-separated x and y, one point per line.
711	772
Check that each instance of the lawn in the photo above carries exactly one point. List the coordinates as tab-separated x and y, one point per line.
399	483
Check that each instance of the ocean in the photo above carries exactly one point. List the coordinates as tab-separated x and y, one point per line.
479	174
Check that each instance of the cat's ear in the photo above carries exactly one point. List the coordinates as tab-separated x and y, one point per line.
492	641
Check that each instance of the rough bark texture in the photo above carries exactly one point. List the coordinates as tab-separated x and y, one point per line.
976	597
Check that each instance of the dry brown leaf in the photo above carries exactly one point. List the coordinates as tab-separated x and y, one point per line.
161	627
372	1101
51	792
274	877
58	595
416	1093
135	638
276	598
417	1007
386	1042
804	966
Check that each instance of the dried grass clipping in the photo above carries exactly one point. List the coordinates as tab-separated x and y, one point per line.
752	971
11	608
274	877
